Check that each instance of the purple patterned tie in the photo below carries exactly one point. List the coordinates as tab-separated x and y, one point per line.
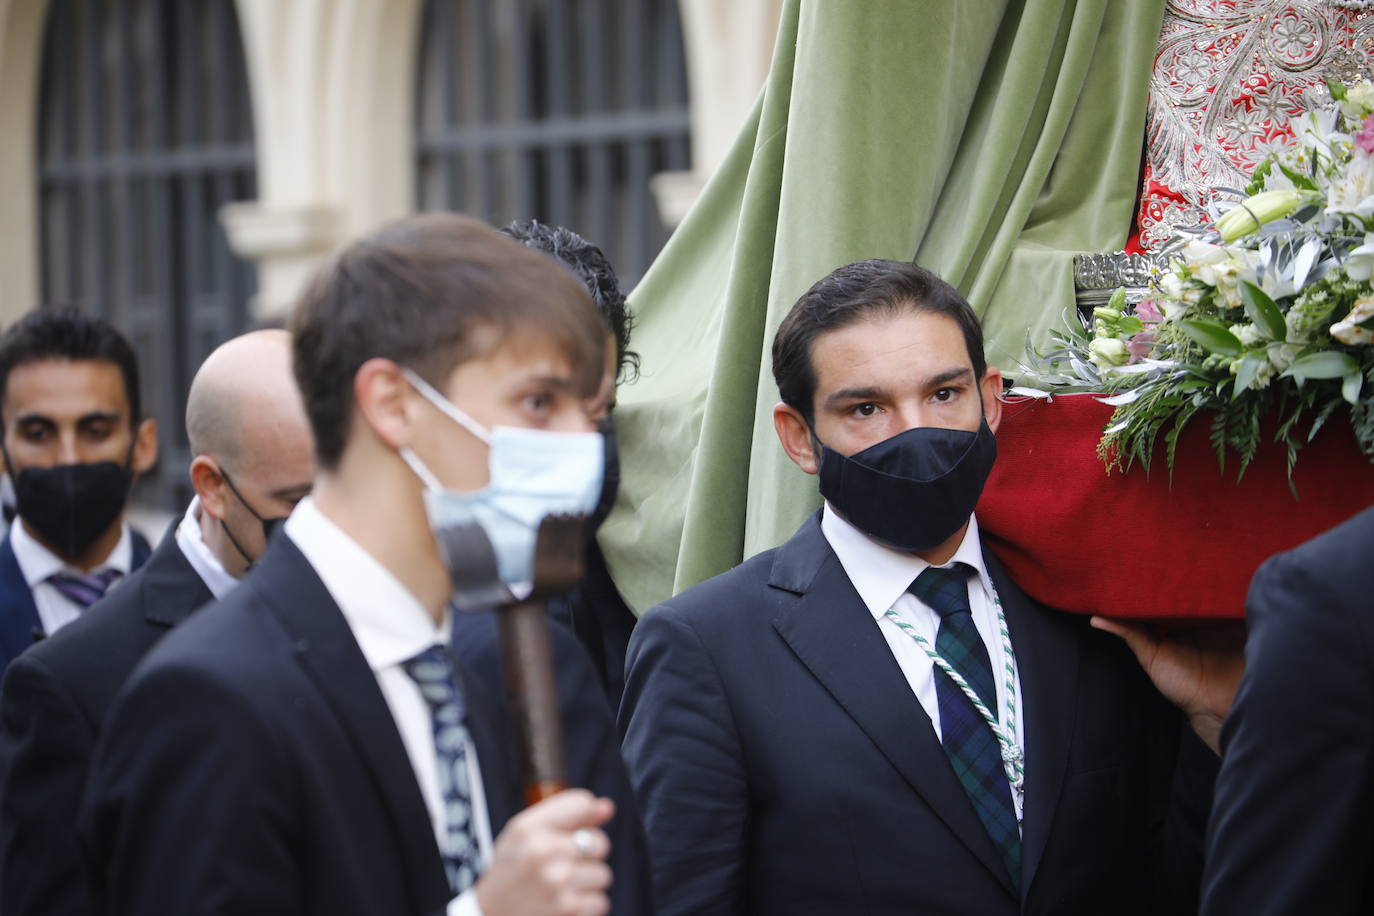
84	591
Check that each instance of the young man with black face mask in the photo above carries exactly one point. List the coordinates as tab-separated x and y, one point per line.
872	718
73	444
333	737
243	412
594	610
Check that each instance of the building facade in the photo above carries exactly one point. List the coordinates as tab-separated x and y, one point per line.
182	166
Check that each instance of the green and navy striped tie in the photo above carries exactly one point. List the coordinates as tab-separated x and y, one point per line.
969	743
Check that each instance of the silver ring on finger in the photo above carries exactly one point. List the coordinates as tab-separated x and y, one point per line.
586	845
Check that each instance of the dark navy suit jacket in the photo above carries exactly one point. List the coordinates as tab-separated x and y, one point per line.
1293	826
785	767
19	623
600	619
252	766
53	702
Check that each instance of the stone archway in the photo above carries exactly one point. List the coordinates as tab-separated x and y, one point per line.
21	41
331	80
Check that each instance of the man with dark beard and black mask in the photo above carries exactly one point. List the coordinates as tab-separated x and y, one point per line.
594	610
872	718
73	443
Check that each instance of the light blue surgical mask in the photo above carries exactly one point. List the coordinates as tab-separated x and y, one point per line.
487	536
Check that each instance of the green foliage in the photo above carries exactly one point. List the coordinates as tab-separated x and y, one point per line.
1263	311
1324	364
1258	177
1213	336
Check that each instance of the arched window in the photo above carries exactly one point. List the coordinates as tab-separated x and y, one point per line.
145	131
561	110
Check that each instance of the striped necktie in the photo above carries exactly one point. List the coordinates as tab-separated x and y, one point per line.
84	591
968	740
432	671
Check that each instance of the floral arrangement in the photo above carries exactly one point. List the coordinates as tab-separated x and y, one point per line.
1270	313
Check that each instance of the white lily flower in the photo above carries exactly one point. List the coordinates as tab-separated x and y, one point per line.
1253	212
1353	192
1197	253
1171	285
1358	101
1359	264
1316	129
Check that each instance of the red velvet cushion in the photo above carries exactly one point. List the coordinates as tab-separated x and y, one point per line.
1131	545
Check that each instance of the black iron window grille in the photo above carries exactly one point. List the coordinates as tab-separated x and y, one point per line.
145	131
561	110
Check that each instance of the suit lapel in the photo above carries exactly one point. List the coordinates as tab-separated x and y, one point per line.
1047	655
18	613
172	589
325	648
834	636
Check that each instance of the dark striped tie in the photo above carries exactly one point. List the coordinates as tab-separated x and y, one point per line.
432	671
968	739
84	591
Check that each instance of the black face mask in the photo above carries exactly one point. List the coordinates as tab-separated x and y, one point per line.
70	506
269	525
915	490
610	478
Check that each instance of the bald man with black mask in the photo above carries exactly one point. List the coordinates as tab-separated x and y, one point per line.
254	459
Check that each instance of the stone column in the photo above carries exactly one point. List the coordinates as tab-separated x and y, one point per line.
333	83
729	50
21	44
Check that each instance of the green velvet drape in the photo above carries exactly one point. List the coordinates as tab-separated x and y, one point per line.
989	140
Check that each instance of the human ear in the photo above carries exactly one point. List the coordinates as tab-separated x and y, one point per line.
208	482
384	401
991	388
144	454
795	435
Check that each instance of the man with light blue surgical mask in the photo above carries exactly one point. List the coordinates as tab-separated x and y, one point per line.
533	473
360	757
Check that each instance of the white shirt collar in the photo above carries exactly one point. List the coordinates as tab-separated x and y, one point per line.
191	540
389	623
38	563
880	574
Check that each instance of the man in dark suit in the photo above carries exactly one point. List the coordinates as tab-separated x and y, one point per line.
872	718
243	413
313	744
1292	829
594	610
73	444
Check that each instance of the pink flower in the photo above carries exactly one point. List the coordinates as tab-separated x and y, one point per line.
1148	311
1365	138
1140	345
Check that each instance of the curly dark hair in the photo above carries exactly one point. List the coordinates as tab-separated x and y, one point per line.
589	264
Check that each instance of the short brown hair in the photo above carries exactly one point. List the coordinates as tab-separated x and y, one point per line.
853	292
427	292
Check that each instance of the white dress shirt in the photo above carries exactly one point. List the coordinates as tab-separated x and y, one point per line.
391	628
38	563
191	540
881	576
